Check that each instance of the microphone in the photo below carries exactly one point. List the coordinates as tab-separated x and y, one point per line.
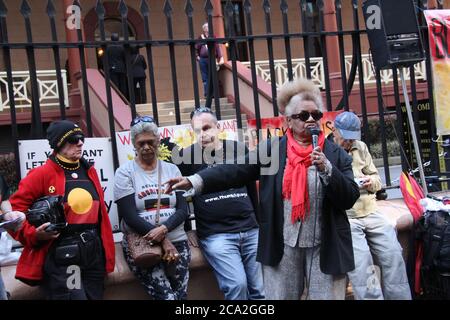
315	136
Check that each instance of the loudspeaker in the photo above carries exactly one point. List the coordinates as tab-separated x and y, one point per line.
393	33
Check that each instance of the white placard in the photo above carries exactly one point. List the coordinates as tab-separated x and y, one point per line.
182	135
34	153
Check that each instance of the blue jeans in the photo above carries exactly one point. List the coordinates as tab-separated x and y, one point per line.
203	62
233	259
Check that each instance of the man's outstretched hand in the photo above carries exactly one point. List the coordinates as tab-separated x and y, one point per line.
178	183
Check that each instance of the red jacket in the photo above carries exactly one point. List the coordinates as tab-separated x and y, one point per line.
49	179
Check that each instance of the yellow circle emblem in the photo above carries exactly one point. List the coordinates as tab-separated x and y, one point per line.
51	189
80	201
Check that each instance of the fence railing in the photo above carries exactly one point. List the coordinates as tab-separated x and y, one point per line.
318	72
314	18
21	87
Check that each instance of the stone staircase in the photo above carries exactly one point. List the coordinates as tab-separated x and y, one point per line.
166	111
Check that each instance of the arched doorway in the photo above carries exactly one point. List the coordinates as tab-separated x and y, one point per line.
112	25
135	21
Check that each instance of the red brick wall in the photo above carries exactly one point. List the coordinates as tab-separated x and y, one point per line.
44	58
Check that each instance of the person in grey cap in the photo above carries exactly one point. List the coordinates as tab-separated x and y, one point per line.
373	237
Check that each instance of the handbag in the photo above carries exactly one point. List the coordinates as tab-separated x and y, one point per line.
144	253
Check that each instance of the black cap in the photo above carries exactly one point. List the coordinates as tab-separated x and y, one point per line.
59	131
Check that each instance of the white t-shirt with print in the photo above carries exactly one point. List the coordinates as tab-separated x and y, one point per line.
130	178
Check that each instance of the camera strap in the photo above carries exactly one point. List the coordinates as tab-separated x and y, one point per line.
158	204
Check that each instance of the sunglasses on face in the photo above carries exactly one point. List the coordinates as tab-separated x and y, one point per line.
75	139
304	115
146	119
201	110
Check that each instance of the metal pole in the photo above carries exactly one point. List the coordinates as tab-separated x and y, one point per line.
413	132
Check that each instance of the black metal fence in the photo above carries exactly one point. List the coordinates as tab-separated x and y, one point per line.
233	41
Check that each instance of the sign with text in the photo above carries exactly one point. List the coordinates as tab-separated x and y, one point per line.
438	29
34	153
424	134
181	135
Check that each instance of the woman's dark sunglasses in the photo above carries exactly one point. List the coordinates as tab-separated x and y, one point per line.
137	120
75	139
304	115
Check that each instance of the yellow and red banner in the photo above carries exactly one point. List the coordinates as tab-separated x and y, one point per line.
439	33
412	193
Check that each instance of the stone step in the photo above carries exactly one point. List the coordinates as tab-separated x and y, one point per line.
183	104
187	115
166	112
146	110
165	122
224	109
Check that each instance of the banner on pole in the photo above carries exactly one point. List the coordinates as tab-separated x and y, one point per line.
438	29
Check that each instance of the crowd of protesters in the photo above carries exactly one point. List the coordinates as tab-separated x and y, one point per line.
308	227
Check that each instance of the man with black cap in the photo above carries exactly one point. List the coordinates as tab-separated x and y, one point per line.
373	237
70	263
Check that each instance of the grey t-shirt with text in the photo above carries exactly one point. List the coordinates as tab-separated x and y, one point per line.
132	179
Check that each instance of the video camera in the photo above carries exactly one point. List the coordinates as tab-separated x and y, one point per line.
48	209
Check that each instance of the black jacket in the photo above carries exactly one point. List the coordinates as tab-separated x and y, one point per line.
4	189
138	66
196	165
336	251
116	58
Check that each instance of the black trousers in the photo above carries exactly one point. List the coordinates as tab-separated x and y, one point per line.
140	93
79	277
120	80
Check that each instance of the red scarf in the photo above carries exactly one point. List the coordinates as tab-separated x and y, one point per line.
295	184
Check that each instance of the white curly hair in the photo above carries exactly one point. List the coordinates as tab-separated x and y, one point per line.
293	92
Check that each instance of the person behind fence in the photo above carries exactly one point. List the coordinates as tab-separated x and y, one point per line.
7	215
375	243
69	263
202	53
136	188
117	66
138	66
225	221
305	242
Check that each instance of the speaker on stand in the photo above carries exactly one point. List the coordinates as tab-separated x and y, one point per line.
393	33
395	42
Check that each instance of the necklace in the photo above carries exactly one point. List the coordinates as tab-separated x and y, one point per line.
67	168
